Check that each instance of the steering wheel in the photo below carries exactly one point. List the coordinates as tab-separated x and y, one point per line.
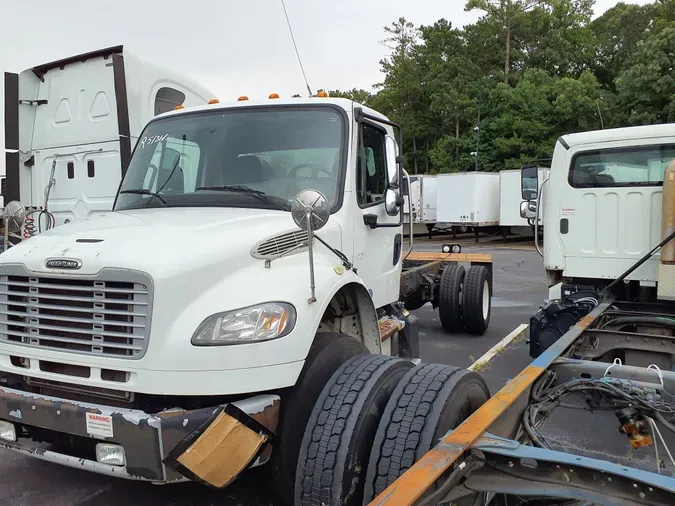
315	169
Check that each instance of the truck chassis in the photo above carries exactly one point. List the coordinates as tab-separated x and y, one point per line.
492	453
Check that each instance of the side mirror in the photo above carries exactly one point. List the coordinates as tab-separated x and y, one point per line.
392	164
14	216
310	211
528	210
392	202
529	182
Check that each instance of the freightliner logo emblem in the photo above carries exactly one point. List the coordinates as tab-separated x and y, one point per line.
63	263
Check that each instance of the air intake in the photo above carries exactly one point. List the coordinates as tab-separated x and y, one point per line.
280	245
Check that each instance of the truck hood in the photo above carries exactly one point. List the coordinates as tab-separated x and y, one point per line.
161	242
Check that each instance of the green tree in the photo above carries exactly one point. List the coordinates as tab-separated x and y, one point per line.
557	37
449	76
402	95
646	89
617	34
507	14
357	95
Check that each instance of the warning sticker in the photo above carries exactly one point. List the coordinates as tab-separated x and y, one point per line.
99	425
569	211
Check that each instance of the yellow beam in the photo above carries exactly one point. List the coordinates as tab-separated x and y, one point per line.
432	256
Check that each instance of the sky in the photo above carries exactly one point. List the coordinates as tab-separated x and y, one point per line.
233	47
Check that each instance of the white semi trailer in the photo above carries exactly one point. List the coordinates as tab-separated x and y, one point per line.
70	126
510	220
422	195
468	200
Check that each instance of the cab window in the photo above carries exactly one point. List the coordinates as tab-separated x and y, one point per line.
371	169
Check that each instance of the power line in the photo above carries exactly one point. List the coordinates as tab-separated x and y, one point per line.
297	53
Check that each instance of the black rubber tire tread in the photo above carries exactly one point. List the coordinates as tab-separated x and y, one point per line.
472	305
337	442
449	298
428	402
328	352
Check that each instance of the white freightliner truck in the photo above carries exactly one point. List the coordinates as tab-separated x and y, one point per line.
198	328
70	126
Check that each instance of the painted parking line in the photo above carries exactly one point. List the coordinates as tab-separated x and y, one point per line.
519	332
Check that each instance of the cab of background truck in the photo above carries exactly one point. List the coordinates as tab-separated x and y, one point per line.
201	234
70	126
601	205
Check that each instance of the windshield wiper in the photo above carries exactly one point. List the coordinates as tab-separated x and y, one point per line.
142	191
260	195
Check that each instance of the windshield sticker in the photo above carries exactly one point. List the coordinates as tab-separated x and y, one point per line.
153	139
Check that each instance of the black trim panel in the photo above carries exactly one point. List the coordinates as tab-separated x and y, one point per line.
11	177
123	125
41	70
564	144
11	111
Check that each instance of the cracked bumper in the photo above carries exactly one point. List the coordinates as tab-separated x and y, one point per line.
146	438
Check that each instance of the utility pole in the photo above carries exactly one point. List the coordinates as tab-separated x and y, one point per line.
477	130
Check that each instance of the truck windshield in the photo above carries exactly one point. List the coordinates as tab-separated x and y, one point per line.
632	166
244	157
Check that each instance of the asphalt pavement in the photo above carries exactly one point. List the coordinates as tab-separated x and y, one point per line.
518	291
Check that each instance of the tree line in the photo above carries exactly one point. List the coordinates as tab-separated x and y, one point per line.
525	73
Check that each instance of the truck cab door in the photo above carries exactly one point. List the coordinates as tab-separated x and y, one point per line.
377	234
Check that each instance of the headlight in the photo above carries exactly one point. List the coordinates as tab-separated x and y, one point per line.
248	325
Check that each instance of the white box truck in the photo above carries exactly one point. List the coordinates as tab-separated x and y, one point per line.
510	220
70	126
468	199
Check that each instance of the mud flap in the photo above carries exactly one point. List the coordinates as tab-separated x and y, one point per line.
221	449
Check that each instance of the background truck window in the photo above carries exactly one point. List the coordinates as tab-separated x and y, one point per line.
167	99
634	166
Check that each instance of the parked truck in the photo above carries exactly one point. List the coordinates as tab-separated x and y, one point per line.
70	126
603	374
251	281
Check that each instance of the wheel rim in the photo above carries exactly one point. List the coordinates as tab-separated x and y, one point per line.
486	299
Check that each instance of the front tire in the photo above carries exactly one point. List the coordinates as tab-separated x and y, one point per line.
428	402
337	443
328	352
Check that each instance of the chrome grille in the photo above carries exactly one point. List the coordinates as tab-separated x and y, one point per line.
93	316
281	244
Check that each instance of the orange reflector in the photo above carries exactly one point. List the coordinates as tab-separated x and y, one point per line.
178	107
214	101
243	97
322	94
274	95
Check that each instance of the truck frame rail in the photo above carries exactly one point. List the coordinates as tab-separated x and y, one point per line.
490	454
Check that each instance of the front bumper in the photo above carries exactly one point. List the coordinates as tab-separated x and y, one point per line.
147	439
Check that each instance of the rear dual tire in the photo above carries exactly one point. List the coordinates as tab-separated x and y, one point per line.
465	299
